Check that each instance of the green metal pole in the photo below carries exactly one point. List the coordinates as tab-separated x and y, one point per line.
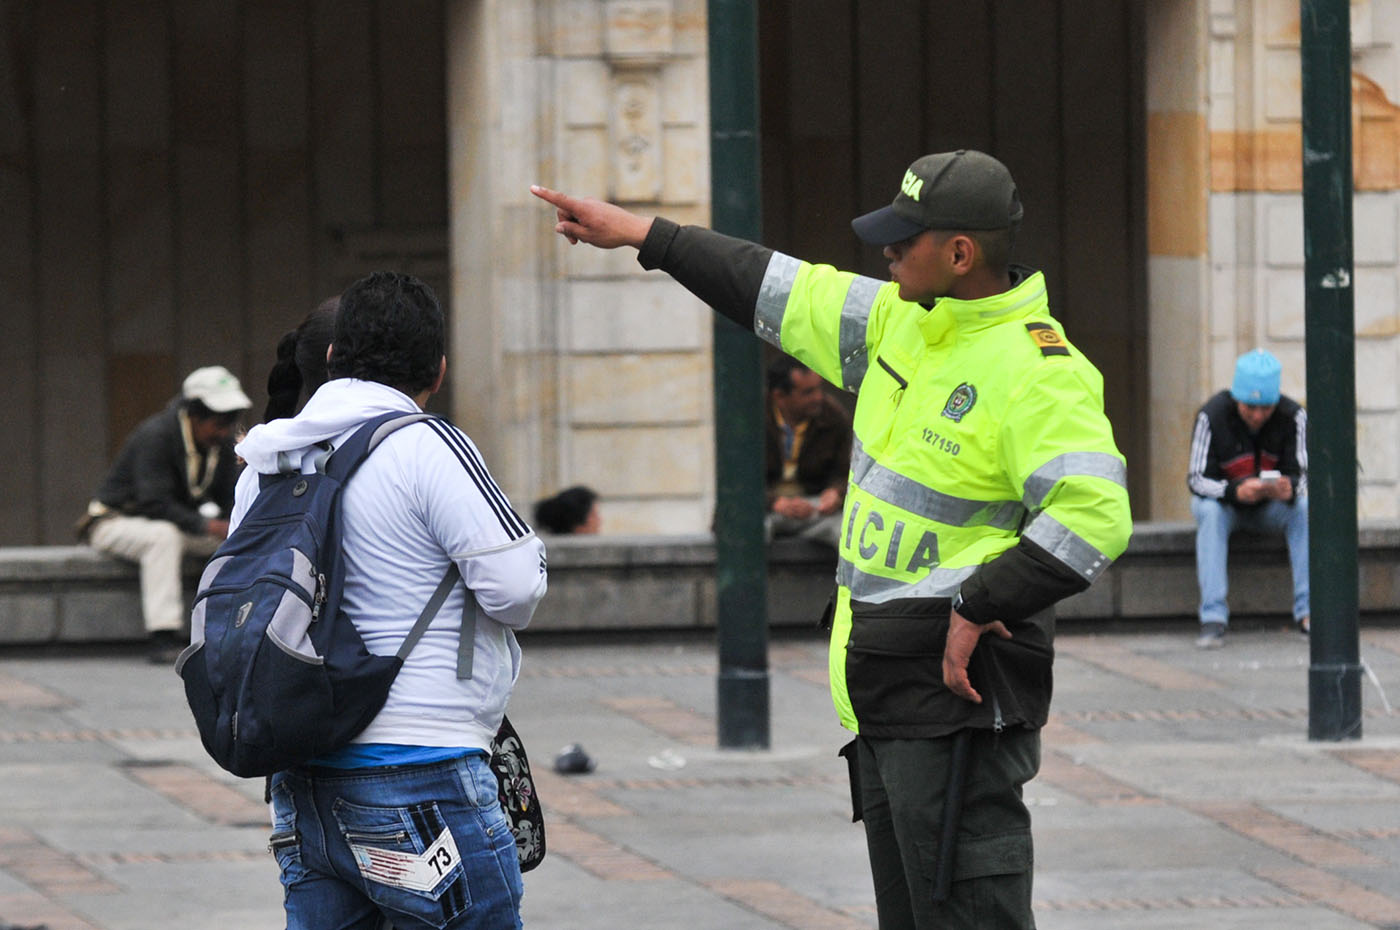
1334	677
741	556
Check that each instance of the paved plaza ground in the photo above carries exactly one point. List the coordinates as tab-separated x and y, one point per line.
1178	791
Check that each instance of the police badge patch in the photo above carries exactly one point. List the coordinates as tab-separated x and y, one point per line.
960	402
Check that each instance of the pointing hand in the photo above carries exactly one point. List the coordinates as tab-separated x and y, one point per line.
595	222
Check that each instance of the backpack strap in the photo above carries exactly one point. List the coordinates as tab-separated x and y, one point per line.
346	460
323	454
466	640
285	465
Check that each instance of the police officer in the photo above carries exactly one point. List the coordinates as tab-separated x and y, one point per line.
985	486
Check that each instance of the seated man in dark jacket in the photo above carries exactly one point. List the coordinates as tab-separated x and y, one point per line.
170	492
1248	471
808	454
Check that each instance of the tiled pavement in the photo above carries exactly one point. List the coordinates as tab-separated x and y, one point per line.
1178	790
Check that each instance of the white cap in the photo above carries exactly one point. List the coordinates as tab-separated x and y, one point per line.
216	388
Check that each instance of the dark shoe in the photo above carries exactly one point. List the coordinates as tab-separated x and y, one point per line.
1212	636
1303	625
165	646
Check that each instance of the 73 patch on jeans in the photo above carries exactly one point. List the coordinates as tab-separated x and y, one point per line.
422	872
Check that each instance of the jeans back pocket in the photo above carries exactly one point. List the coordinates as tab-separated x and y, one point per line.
408	859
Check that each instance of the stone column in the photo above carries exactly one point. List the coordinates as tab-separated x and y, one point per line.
501	360
1177	263
574	366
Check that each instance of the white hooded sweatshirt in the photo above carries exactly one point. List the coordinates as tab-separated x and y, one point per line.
423	497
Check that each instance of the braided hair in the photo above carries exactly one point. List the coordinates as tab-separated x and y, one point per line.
301	362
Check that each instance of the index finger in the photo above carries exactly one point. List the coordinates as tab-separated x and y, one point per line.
558	198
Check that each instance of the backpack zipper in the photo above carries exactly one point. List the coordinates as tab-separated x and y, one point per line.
277	578
319	597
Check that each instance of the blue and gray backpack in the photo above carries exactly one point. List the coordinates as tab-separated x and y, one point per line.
276	674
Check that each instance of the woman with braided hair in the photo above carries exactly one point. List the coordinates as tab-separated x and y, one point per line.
301	362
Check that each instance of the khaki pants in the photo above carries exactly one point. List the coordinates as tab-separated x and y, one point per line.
159	547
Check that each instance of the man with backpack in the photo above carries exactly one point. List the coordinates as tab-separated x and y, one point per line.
402	825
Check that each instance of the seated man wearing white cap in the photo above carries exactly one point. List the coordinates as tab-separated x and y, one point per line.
170	492
1248	471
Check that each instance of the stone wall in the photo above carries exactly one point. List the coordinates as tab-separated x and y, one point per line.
72	594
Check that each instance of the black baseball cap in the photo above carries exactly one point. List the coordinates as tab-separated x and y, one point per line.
965	189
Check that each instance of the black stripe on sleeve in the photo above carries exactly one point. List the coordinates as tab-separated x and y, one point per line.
510	521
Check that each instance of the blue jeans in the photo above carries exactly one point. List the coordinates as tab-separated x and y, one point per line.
415	846
1215	521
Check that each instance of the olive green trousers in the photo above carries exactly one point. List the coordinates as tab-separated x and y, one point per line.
902	791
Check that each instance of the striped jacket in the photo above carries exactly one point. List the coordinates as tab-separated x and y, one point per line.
424	497
1224	452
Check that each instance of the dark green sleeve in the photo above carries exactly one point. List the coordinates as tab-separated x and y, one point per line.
725	272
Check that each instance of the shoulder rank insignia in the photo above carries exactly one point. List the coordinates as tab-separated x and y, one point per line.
1050	342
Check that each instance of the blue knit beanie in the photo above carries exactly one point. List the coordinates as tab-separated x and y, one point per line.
1256	379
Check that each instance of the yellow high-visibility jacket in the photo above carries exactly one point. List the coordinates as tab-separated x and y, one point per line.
982	467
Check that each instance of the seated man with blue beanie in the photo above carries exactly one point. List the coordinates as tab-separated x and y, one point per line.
1248	471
